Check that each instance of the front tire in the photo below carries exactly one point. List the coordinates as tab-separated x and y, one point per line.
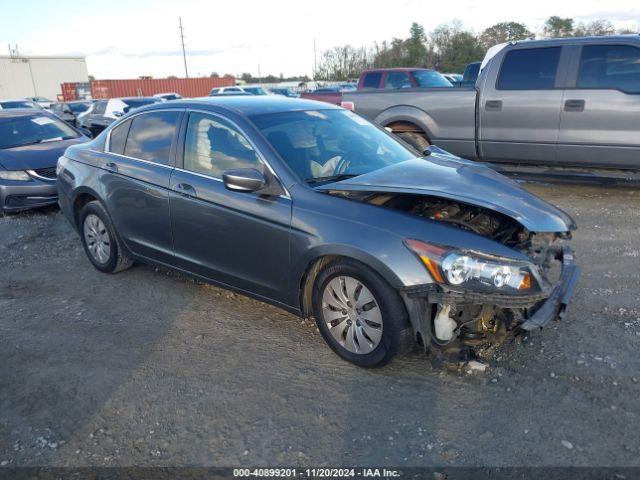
359	314
416	140
100	241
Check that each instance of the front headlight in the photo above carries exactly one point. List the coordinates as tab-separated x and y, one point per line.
18	175
473	271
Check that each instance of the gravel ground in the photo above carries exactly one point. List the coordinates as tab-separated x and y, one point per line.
148	367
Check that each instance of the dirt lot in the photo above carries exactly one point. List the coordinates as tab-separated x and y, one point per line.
150	368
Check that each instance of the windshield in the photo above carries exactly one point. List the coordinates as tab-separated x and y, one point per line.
27	130
17	104
430	78
79	107
330	144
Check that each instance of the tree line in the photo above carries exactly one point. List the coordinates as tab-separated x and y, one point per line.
448	48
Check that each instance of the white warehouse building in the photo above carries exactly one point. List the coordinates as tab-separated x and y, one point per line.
39	76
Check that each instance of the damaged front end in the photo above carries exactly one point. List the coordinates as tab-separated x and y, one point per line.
477	299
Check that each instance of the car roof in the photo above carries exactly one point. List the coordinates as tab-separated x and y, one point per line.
248	105
23	112
397	69
634	37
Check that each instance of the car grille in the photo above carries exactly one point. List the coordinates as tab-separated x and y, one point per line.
49	173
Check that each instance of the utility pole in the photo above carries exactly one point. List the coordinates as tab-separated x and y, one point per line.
259	75
315	60
184	53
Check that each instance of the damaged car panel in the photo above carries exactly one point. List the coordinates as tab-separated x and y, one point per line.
314	209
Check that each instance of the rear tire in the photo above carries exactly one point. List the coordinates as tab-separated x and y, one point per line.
375	327
99	239
416	140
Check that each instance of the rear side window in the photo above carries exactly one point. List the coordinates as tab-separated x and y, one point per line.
397	80
213	146
150	136
372	80
529	69
118	137
610	66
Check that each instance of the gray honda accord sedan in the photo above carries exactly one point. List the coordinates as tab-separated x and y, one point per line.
310	207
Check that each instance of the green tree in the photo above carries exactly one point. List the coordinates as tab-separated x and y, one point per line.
504	32
416	46
556	27
454	48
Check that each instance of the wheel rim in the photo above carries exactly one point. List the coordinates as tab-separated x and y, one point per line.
97	238
352	314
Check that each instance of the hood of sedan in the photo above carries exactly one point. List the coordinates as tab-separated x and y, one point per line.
444	175
33	157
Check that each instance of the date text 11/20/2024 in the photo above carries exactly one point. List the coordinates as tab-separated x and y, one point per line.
317	472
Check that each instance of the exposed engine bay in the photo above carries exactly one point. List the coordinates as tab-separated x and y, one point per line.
456	322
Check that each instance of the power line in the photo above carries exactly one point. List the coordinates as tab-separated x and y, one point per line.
184	53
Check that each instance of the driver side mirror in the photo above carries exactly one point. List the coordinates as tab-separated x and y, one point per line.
244	180
118	114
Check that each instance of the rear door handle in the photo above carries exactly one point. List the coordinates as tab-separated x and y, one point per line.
112	167
186	190
574	106
493	105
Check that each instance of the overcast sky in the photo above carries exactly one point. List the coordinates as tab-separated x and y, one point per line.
129	38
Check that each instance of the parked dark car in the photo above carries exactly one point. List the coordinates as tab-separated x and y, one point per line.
30	143
9	104
285	92
312	208
103	113
69	111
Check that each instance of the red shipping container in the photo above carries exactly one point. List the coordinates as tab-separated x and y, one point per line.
187	87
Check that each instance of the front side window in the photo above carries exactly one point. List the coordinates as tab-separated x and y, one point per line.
318	144
397	80
29	130
372	80
151	135
213	146
610	66
529	69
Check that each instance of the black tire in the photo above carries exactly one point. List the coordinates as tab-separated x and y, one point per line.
117	260
416	140
397	335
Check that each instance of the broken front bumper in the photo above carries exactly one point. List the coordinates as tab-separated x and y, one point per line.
555	306
544	306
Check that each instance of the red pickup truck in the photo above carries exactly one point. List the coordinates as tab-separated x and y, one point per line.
383	78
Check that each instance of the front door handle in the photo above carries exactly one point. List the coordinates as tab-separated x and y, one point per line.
574	106
112	167
186	190
493	105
